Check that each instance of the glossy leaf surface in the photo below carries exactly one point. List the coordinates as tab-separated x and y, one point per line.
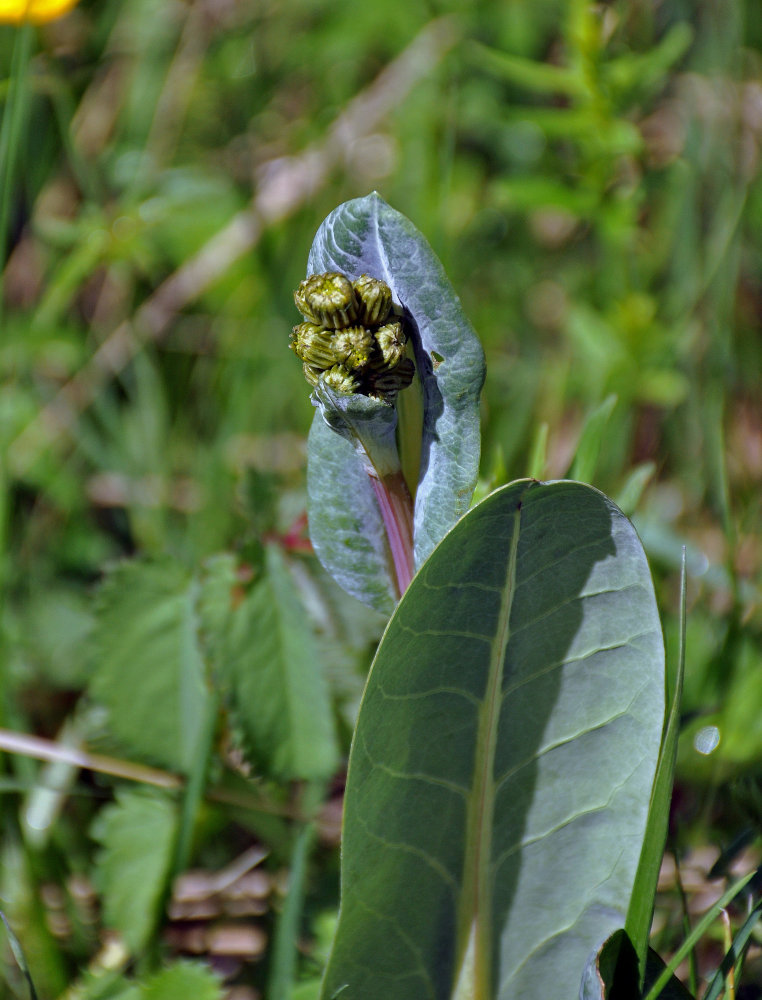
504	757
367	236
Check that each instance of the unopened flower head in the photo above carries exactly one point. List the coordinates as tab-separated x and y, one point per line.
388	382
314	345
327	299
374	299
340	379
347	339
312	374
391	341
353	346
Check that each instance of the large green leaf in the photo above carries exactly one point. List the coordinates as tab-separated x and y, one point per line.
368	236
503	759
279	695
149	670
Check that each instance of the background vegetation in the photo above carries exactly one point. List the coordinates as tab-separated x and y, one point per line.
178	679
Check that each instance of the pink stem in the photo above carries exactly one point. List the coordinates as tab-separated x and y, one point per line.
397	511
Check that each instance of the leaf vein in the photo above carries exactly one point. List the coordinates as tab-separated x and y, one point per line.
597	727
450	786
568	821
416	852
429	692
549	668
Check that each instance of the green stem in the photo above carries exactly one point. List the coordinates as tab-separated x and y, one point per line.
12	134
194	790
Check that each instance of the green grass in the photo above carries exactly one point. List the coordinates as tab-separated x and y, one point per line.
590	178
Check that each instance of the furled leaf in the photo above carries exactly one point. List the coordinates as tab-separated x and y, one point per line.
137	836
503	759
280	697
149	670
368	236
348	536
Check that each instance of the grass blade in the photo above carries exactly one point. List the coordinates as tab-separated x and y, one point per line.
698	931
734	956
640	913
18	954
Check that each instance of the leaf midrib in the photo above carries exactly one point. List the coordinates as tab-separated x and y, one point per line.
475	935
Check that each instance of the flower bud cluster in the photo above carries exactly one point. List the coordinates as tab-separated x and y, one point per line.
350	336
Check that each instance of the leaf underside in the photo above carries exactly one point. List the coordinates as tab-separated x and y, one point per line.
346	528
503	759
367	236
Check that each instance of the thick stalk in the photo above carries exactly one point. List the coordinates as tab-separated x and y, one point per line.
397	511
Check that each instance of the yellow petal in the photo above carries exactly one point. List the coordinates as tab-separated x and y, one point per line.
36	11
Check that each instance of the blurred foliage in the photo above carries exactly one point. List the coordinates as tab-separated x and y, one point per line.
589	175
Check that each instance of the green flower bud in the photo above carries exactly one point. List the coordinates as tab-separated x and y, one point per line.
312	373
374	298
391	340
353	347
387	383
314	345
327	300
340	379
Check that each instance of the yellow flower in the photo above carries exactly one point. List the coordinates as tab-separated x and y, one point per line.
36	11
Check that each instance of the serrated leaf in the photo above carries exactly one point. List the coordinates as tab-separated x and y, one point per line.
215	602
368	236
503	759
183	981
280	697
57	630
137	836
149	670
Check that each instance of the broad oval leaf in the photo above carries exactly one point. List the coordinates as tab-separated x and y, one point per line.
368	236
503	760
